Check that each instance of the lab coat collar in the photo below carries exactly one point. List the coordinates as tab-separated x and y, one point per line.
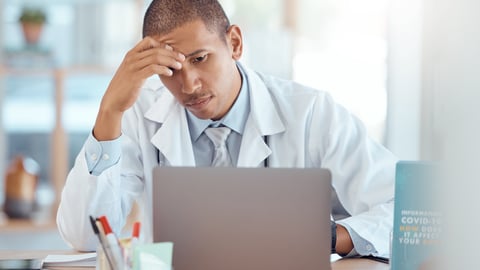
263	112
173	138
264	120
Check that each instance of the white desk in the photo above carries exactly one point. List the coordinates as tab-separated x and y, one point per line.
343	264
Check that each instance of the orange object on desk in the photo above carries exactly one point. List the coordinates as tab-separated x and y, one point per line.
20	188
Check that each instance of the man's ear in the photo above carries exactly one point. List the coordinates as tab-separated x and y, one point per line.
235	41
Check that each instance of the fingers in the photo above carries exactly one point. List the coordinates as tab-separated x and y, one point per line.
146	44
161	57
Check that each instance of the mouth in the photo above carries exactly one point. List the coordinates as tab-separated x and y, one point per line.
198	103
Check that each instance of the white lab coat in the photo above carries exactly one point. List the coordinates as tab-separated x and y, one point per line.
305	128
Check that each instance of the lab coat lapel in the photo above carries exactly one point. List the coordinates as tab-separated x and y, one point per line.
253	150
264	120
173	137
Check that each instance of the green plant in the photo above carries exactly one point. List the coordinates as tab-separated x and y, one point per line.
33	15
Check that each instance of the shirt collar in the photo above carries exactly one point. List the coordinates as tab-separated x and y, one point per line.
235	119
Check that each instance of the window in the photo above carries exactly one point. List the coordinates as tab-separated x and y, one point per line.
50	91
335	45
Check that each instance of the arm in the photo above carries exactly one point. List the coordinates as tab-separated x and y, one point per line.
146	59
344	242
111	193
363	176
114	189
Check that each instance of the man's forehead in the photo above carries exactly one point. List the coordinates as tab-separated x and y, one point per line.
190	38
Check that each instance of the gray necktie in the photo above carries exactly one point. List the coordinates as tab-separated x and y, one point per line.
219	136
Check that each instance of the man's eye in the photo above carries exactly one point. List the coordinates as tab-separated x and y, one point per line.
199	59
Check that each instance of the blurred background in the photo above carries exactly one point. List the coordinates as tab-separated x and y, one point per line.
396	64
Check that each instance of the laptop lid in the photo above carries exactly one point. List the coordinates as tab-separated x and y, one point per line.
243	218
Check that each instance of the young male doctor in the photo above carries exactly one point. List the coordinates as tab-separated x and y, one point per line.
141	124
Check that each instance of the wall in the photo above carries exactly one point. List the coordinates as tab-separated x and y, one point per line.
402	135
450	124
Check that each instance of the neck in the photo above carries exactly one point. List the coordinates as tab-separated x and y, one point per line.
236	86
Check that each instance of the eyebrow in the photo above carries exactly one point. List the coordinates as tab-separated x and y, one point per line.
194	53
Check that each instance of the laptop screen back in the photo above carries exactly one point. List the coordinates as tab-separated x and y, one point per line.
243	218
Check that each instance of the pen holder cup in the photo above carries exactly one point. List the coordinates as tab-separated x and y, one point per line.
156	256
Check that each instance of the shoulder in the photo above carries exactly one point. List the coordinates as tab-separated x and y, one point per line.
285	91
151	92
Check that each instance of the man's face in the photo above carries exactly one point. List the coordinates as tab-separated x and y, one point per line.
209	81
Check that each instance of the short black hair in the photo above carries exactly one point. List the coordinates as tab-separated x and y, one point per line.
163	16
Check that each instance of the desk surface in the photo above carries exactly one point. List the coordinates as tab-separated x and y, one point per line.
342	264
359	264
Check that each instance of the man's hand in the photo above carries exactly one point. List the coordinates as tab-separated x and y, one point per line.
344	241
147	58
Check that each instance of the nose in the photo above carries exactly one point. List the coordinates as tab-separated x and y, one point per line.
190	81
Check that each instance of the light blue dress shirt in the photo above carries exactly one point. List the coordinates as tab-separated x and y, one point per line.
235	119
101	155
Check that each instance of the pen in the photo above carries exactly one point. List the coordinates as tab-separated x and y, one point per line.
135	233
130	244
112	244
106	251
101	240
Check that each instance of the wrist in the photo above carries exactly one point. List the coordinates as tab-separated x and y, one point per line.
107	125
344	243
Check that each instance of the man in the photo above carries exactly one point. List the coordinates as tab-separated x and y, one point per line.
195	51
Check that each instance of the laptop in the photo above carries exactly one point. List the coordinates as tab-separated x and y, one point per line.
243	218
